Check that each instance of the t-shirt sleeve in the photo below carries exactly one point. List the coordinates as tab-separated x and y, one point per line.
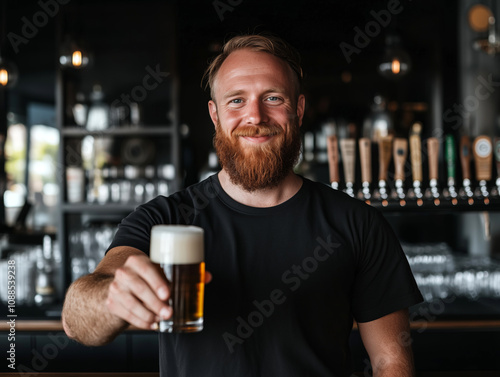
135	229
384	282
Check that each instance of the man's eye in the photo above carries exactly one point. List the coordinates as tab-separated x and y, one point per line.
273	99
237	100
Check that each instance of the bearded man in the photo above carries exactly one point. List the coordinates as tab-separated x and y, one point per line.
292	262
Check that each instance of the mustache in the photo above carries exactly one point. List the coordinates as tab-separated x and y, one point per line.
255	131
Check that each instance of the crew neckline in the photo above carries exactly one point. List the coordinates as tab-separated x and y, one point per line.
243	208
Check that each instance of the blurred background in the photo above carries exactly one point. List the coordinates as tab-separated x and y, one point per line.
102	108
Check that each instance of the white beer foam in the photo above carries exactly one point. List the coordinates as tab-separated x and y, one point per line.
176	244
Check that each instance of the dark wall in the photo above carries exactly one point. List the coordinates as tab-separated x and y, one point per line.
317	29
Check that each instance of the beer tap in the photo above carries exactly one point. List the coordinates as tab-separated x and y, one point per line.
416	163
348	151
465	191
365	153
384	158
450	192
433	159
497	162
483	156
400	154
333	160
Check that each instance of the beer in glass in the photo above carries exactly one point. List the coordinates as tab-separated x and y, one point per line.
179	251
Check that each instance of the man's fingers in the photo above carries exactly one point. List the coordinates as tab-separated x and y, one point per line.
129	309
127	281
151	274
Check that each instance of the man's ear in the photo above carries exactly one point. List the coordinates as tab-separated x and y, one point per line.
212	110
301	105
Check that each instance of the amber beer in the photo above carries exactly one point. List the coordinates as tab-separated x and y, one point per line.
178	249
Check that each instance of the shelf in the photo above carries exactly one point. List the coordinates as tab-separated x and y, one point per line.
98	208
156	130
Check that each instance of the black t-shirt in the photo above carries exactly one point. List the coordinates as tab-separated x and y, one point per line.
287	280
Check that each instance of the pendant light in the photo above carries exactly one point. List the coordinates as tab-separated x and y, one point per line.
8	73
72	55
396	62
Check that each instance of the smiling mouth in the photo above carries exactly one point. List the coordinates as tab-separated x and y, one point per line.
258	139
256	132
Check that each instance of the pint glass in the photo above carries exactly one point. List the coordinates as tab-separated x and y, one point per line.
178	249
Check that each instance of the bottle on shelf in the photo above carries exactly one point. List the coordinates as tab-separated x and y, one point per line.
212	166
114	185
149	186
80	110
127	185
75	184
166	174
306	164
139	185
379	122
98	114
45	286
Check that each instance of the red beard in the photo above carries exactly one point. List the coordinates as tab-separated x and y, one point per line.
260	166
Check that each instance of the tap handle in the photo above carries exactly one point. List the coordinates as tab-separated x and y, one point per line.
348	150
465	156
384	150
433	154
333	158
365	154
483	157
400	154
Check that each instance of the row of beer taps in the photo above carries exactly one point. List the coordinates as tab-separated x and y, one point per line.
479	150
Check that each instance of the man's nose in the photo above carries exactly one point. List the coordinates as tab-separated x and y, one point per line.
256	113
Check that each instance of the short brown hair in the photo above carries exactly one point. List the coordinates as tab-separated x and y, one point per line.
264	43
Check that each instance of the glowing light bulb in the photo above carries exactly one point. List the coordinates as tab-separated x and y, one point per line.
396	66
76	58
396	62
4	77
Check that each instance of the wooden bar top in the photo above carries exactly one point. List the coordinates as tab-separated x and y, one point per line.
93	374
43	325
56	325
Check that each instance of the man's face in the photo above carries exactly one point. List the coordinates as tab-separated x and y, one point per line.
257	118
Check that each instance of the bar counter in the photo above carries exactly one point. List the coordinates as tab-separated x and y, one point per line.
97	374
442	348
56	325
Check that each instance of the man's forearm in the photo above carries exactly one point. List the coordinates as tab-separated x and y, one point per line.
85	315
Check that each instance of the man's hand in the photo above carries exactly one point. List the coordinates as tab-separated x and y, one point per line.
138	293
126	288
